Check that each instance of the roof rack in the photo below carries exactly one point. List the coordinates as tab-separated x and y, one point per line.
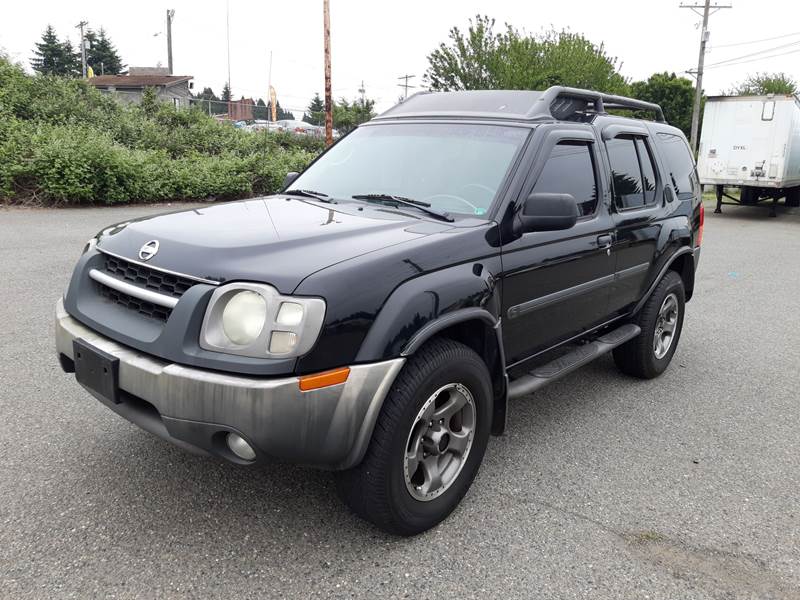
559	102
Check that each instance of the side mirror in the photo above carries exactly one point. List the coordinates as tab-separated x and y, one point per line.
289	179
549	212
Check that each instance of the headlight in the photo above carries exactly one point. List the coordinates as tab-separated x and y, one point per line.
244	317
253	319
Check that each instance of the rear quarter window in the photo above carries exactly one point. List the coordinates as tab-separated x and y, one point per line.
679	164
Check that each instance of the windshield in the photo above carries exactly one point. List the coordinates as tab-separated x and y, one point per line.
455	168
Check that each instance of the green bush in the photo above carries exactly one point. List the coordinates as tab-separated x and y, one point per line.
63	142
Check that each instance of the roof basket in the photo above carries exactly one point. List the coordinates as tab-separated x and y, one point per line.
561	103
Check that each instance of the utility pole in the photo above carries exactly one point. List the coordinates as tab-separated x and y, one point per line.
363	91
170	17
708	10
81	25
328	93
405	84
228	38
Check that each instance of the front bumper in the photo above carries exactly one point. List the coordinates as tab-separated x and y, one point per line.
194	408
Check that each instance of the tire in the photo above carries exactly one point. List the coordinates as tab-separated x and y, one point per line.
749	196
793	197
378	488
641	357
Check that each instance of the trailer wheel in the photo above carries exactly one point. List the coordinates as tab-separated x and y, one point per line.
749	196
793	197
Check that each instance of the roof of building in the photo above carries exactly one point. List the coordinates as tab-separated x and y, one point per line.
137	81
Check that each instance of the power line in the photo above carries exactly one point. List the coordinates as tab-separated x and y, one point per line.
744	62
765	51
769	39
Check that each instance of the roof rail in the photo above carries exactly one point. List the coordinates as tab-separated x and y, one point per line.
559	100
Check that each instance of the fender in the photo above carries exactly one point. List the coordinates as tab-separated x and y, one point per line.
680	252
431	328
418	304
427	305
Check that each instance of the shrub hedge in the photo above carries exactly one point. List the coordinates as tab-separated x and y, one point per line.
63	142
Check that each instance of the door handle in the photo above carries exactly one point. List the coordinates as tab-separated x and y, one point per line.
604	241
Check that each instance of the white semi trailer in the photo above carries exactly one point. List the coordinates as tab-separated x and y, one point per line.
753	143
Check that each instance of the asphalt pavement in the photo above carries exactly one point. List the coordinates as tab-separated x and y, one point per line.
602	487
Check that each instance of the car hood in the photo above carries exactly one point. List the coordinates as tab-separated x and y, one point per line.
276	240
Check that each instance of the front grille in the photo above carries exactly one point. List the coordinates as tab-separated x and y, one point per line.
154	311
163	283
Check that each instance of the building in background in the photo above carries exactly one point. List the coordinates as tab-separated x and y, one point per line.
241	110
130	86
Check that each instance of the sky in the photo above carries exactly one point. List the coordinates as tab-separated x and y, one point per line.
377	41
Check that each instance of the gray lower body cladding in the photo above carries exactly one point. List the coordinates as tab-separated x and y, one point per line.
329	427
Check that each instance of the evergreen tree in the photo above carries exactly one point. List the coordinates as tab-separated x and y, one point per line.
71	60
102	56
226	93
260	111
210	102
315	113
279	112
48	55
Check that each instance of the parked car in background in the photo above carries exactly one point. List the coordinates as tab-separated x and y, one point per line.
299	127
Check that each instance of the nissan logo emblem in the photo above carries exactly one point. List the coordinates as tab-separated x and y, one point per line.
149	250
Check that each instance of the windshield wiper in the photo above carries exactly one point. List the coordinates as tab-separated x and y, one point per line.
403	201
321	196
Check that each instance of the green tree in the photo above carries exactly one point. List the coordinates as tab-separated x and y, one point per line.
762	84
226	93
470	61
71	66
674	94
315	113
260	111
480	58
102	56
53	57
280	113
349	115
210	102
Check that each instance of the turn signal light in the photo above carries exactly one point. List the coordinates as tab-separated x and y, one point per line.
324	379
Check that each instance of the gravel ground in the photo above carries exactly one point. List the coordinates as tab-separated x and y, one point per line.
603	486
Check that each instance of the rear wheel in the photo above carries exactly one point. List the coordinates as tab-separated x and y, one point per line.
428	442
661	321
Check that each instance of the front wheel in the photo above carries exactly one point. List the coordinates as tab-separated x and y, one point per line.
661	320
428	441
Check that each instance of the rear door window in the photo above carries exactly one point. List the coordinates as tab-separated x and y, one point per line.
648	171
626	173
570	170
680	165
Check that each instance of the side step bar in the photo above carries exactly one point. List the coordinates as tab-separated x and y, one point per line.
582	355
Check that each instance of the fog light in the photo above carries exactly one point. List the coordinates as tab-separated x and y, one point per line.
239	447
282	342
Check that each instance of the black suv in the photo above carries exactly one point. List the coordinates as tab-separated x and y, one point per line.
376	316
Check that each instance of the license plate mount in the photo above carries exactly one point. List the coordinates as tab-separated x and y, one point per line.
96	370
